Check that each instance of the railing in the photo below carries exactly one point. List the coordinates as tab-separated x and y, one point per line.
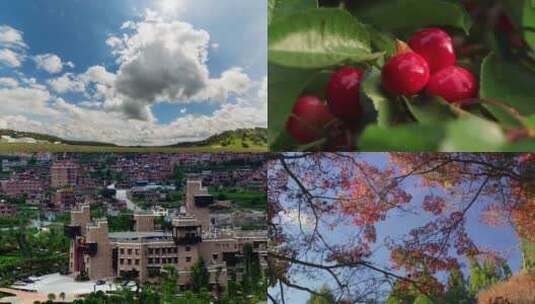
188	240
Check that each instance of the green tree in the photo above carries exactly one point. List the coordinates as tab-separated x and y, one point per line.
252	276
422	299
528	256
169	283
400	294
199	275
457	291
490	272
51	297
324	296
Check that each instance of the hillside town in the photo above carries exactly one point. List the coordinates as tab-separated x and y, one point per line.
132	219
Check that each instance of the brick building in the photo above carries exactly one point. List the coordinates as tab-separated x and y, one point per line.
143	252
7	210
63	173
64	199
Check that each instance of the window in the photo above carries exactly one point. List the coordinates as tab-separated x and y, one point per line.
122	250
137	251
150	260
129	261
129	251
214	256
137	262
175	260
188	248
157	250
157	260
121	261
151	251
188	259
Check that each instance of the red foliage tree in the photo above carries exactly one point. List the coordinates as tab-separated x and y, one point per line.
323	193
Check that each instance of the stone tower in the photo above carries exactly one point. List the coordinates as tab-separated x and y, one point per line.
75	231
197	202
97	250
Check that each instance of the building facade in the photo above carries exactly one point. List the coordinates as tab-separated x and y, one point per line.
142	253
63	173
7	210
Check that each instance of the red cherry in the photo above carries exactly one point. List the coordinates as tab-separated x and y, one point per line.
310	117
435	46
452	83
505	24
343	93
405	74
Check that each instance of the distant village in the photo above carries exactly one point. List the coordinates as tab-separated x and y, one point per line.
58	182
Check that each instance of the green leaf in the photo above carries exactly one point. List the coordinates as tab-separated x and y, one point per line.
284	142
283	8
382	41
473	135
509	83
528	21
411	137
317	84
284	87
461	135
527	145
388	110
272	4
407	15
530	121
433	109
318	38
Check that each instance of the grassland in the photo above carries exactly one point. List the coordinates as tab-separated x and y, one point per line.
44	147
242	199
241	140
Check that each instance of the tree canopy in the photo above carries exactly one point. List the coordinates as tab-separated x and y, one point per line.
355	194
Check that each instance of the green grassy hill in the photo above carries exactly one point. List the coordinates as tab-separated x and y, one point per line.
51	138
241	140
236	139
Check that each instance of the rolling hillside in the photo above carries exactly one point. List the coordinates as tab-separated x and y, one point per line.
237	140
240	138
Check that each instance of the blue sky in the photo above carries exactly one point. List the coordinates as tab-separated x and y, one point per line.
397	224
133	71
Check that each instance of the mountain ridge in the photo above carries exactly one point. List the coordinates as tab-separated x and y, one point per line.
241	138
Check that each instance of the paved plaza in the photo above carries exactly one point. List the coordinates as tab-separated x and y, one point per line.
52	283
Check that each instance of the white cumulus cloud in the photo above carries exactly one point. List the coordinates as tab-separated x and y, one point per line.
68	82
11	38
51	63
11	58
8	82
166	61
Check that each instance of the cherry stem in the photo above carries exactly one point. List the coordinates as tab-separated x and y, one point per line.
512	111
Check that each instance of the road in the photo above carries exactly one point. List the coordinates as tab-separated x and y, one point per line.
121	195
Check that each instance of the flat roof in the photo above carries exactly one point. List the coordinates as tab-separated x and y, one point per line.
132	235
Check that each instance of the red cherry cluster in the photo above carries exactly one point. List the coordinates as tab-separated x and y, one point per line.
429	64
312	118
